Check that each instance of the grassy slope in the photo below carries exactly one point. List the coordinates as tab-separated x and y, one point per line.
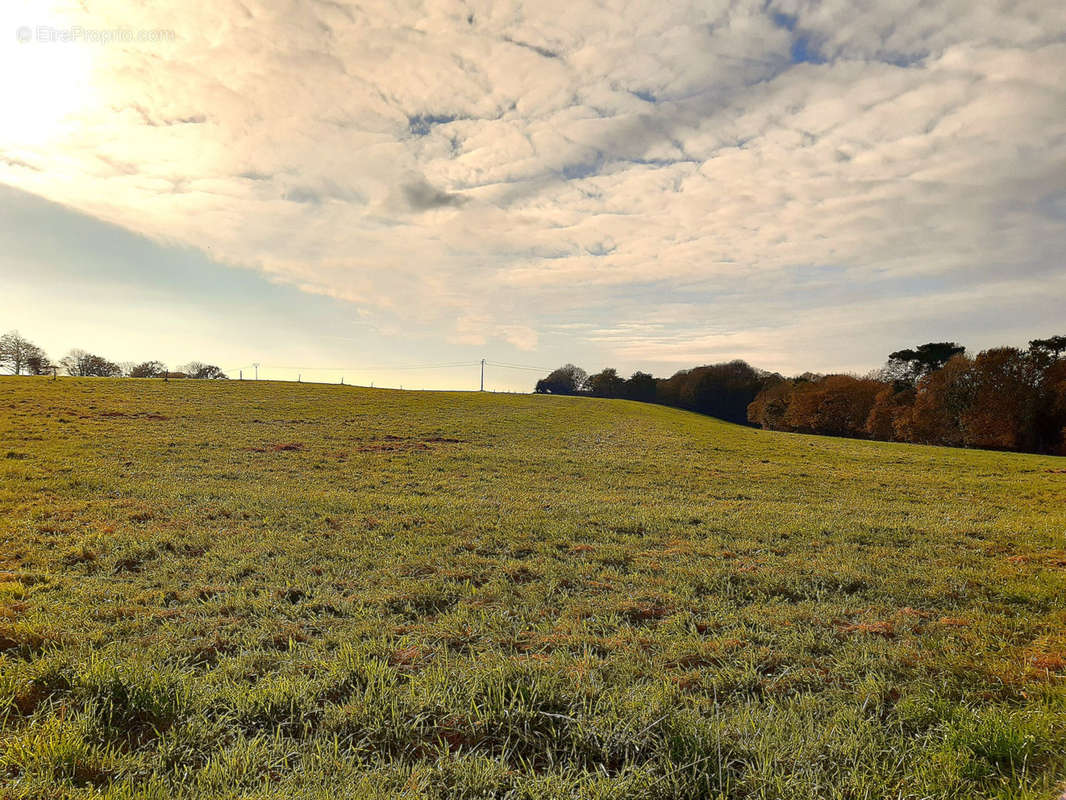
577	598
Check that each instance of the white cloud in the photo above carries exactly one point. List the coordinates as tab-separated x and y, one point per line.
490	170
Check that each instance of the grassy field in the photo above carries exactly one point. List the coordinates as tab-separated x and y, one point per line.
263	590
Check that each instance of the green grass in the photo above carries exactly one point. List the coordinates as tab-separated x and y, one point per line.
252	590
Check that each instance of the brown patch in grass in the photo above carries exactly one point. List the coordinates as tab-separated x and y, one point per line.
711	654
129	564
522	575
82	555
689	681
881	628
212	651
1050	558
89	774
394	444
20	640
907	611
532	658
125	415
456	732
30	698
418	571
280	447
693	660
1049	662
408	659
1047	655
289	633
954	622
292	594
12	610
648	611
391	447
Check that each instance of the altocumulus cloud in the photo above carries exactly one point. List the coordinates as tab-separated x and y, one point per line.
663	182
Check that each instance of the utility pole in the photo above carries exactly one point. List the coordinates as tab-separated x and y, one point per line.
256	365
482	374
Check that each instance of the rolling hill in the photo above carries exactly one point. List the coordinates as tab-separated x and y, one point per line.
254	589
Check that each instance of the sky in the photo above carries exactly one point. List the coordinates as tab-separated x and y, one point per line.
370	190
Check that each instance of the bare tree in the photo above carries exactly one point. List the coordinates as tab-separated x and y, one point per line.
79	363
148	369
20	356
201	371
39	364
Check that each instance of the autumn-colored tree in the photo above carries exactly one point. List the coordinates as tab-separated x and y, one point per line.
668	392
890	405
1004	385
641	386
935	394
769	407
607	383
1055	393
942	397
837	405
1050	423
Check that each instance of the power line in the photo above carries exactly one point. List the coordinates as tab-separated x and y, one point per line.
350	370
382	367
518	366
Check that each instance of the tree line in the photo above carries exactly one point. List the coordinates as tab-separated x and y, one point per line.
1005	398
20	356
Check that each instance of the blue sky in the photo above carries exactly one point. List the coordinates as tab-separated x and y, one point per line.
339	188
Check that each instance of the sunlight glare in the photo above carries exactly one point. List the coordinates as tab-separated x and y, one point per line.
46	83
